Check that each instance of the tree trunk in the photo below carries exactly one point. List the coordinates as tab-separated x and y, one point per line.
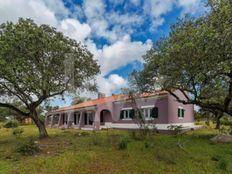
218	124
39	123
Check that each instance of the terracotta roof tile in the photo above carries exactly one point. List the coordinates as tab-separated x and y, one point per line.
103	100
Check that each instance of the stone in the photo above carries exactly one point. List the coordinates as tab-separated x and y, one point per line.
226	138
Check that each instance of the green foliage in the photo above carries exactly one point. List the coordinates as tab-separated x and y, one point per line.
122	145
79	154
227	121
39	61
195	59
17	131
148	144
223	164
30	147
11	124
78	99
176	128
216	157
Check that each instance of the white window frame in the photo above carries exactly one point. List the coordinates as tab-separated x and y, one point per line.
148	108
126	111
182	116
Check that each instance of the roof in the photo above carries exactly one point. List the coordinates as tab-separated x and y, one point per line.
104	100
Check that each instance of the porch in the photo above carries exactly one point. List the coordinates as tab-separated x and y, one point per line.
80	119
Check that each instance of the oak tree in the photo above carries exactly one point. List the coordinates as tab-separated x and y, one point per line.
37	63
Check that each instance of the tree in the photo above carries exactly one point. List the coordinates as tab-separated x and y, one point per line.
195	59
37	63
78	99
4	113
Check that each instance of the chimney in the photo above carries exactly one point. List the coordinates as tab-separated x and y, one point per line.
100	95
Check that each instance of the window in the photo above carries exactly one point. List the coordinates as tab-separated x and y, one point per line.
127	114
149	112
76	118
89	118
180	112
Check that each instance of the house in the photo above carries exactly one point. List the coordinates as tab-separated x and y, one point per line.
160	109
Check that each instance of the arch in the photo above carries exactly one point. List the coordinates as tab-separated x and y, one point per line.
105	116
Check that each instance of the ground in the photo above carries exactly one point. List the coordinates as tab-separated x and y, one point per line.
70	151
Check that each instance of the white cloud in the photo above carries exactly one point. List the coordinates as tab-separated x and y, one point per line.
125	19
109	25
74	29
119	53
191	6
156	9
114	26
110	84
135	2
11	10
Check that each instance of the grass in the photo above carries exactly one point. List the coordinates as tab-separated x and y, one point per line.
71	151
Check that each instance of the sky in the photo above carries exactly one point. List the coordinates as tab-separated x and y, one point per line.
117	32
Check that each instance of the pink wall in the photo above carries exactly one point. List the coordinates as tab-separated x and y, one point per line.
167	110
173	110
161	102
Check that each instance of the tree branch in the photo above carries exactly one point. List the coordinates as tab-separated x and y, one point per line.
7	105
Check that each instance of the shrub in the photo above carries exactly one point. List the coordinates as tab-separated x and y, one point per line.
30	147
223	164
216	157
230	130
17	131
176	128
227	121
148	144
207	123
123	144
11	124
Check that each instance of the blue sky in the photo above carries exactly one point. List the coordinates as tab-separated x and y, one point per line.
117	32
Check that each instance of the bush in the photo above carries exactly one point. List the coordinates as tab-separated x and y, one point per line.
29	147
11	124
123	144
226	120
148	144
223	164
216	157
17	131
176	128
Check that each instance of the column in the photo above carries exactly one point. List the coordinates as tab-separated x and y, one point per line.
80	124
46	120
70	119
96	123
52	120
60	120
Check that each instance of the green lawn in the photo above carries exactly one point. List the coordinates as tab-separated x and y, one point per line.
68	152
